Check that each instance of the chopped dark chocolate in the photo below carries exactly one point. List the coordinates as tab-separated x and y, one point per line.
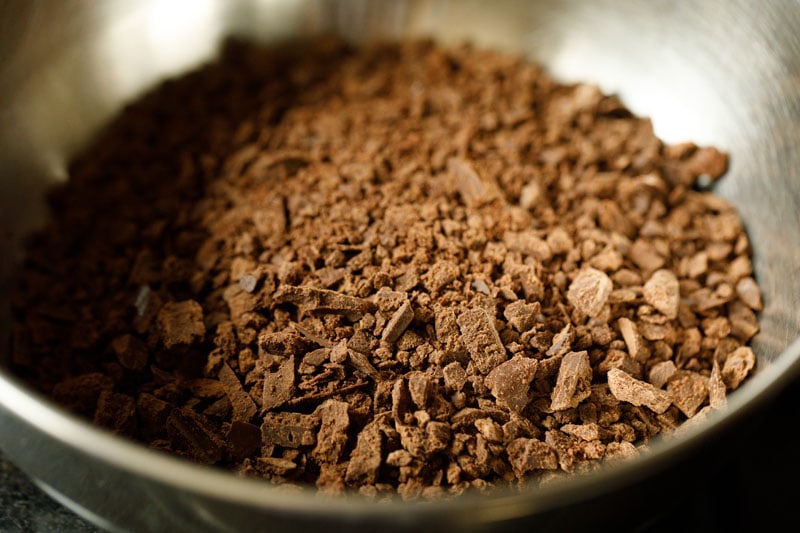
190	433
404	269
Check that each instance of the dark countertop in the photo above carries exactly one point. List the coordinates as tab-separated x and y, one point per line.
750	491
25	508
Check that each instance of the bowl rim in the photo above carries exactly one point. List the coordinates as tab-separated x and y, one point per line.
226	486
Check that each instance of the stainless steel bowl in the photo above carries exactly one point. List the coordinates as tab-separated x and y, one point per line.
718	72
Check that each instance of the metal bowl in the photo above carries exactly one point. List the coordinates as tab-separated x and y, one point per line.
721	72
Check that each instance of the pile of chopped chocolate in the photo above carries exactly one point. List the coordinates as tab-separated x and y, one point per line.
400	269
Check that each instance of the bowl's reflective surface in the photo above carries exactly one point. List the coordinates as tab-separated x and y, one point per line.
715	72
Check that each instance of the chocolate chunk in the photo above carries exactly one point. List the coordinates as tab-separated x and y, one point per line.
562	342
361	362
80	393
284	343
454	376
510	381
474	191
636	392
180	324
401	401
491	430
645	256
116	412
191	434
448	333
587	432
573	382
243	440
633	339
248	282
526	455
324	301
152	414
747	289
130	351
661	372
662	291
689	391
398	323
290	430
440	275
244	409
332	436
522	315
419	388
276	465
481	339
205	388
527	243
413	440
589	291
367	456
717	391
737	365
279	385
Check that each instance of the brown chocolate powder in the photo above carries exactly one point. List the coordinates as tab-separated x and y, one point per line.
400	269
